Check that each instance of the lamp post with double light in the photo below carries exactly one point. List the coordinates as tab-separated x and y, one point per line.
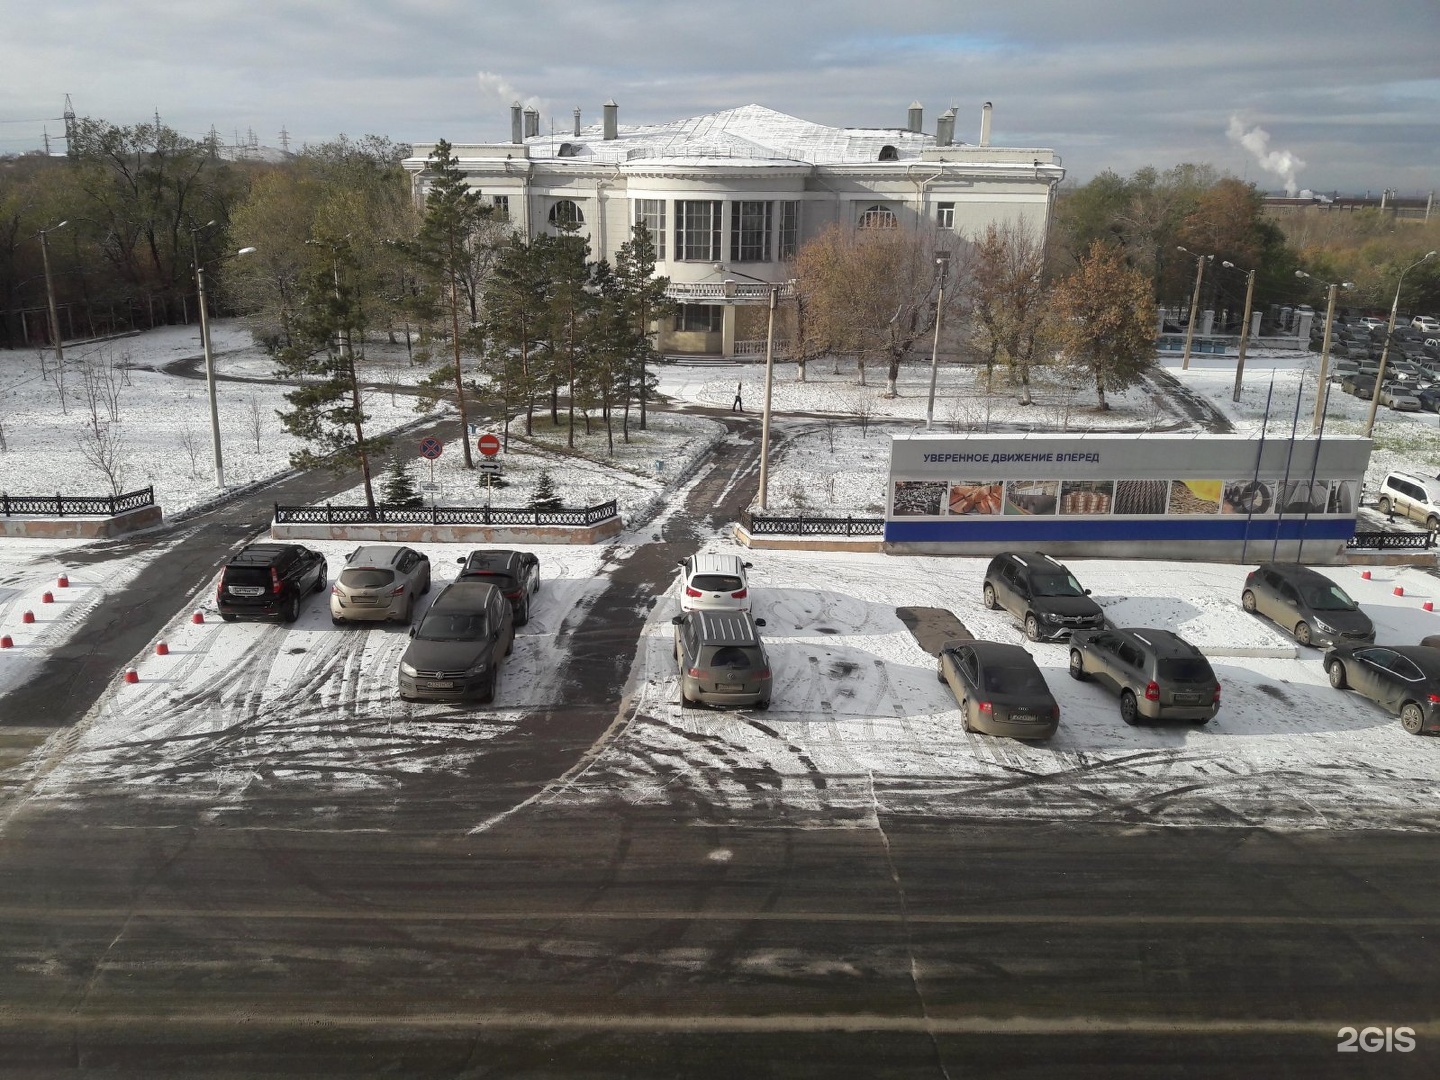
1244	326
50	289
1332	289
769	384
1389	335
210	362
1200	261
942	264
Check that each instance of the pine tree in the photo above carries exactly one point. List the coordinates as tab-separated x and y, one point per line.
545	497
399	487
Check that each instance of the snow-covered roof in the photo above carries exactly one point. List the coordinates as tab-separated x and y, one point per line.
748	134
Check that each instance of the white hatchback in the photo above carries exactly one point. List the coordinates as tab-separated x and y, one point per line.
714	583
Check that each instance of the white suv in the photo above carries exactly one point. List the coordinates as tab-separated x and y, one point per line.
714	583
1426	323
1411	496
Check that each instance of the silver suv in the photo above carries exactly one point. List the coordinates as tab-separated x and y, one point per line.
721	659
1158	674
380	582
1414	497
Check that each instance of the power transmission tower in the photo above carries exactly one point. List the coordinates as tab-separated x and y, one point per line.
69	115
284	140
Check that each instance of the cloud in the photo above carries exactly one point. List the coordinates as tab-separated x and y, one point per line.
1282	163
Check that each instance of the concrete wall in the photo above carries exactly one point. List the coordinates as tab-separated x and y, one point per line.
453	534
82	528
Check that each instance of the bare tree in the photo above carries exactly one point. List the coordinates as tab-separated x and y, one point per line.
864	409
100	385
255	418
190	445
102	446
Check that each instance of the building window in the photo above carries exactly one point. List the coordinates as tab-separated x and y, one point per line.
501	203
699	319
651	214
566	215
878	217
945	215
750	232
789	229
697	231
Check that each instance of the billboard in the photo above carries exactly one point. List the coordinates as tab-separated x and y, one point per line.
1130	495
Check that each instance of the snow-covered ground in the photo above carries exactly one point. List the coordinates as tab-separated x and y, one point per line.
859	722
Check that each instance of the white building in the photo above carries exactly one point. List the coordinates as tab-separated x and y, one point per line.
729	197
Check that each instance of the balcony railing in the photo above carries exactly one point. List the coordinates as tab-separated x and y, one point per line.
728	292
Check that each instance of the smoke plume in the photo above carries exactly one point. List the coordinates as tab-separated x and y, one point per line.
1282	163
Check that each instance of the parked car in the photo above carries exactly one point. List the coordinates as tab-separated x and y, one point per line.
714	583
1000	689
1362	386
721	659
1402	679
1307	604
1158	675
1411	496
1428	324
456	650
1429	398
1041	593
1372	321
268	581
1399	397
379	582
514	573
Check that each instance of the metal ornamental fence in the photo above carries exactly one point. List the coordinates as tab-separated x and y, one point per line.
440	515
783	525
76	505
1375	541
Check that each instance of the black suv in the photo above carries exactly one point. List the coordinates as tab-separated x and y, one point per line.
268	581
514	573
1042	594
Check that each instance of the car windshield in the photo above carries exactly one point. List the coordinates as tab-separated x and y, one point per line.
716	583
1056	585
1328	598
1013	680
452	626
366	578
1183	669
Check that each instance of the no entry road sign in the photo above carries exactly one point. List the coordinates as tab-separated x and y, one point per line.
489	445
431	447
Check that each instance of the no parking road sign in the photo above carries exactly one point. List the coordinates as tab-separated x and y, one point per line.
489	445
431	447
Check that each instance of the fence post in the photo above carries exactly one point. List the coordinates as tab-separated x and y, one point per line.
329	514
434	514
59	506
5	502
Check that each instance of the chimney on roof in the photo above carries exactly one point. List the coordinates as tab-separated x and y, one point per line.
517	133
945	128
532	122
577	119
612	119
985	125
917	117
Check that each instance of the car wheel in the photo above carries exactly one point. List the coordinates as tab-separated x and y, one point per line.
1032	627
335	620
292	609
940	673
965	716
685	702
1412	717
1433	523
426	589
1129	708
409	615
1302	633
1336	670
1247	601
1383	505
763	705
989	595
320	582
1077	666
523	615
228	618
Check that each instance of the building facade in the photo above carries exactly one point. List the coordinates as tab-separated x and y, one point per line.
730	197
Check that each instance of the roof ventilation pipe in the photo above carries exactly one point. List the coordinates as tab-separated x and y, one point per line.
985	125
917	117
577	119
612	120
532	122
517	133
945	128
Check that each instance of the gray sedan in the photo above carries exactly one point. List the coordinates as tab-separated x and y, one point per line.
1000	689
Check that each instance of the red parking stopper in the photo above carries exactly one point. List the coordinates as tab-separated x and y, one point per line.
1399	590
131	675
62	582
6	642
1365	574
162	649
47	598
29	616
198	617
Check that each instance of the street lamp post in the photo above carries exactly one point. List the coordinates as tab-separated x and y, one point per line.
942	261
1321	390
210	365
1385	352
1244	327
1200	261
50	291
765	418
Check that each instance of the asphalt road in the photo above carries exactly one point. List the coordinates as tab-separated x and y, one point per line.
463	926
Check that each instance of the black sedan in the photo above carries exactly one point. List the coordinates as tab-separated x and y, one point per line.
514	573
1000	689
1402	679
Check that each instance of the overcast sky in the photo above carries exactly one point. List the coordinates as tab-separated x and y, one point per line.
1345	93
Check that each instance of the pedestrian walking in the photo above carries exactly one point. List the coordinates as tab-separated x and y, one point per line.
737	405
